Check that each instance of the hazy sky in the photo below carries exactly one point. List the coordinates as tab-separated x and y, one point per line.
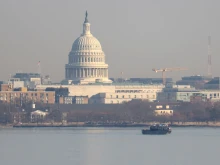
136	36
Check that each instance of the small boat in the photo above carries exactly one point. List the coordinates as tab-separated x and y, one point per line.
157	129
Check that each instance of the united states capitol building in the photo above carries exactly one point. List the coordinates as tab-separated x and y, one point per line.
86	75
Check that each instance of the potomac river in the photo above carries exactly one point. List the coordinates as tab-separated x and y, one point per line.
108	146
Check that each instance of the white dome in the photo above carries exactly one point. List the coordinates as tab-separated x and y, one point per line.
86	42
86	59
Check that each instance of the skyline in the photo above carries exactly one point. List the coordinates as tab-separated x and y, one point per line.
132	46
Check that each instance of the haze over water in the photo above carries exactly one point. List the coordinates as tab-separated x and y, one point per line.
109	146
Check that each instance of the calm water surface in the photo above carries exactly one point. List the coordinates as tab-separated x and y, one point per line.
108	146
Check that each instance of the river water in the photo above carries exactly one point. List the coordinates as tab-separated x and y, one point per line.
108	146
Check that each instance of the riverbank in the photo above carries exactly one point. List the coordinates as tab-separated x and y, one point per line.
82	124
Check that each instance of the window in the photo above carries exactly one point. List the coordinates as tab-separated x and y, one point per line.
135	96
116	96
123	96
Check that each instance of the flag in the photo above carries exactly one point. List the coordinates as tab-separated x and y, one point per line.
38	63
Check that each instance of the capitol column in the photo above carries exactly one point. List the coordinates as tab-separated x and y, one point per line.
66	74
70	73
86	73
83	73
74	73
104	73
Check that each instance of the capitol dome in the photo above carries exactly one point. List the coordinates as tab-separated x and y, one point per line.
86	59
86	43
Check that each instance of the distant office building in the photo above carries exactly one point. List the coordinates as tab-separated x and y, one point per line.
149	80
2	82
213	84
176	93
196	81
30	79
186	93
46	80
16	83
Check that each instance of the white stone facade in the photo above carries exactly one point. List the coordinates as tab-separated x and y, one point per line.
111	94
118	98
86	59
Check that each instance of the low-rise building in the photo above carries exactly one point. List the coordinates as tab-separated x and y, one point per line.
38	115
7	94
163	111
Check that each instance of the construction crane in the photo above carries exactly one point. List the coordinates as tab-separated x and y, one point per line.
163	70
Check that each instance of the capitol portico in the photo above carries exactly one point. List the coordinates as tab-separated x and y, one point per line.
86	59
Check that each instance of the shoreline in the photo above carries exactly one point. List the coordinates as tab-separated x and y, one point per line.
82	124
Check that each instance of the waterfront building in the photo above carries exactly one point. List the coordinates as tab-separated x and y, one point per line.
86	62
38	115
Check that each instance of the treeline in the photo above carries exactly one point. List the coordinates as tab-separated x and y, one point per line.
134	111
